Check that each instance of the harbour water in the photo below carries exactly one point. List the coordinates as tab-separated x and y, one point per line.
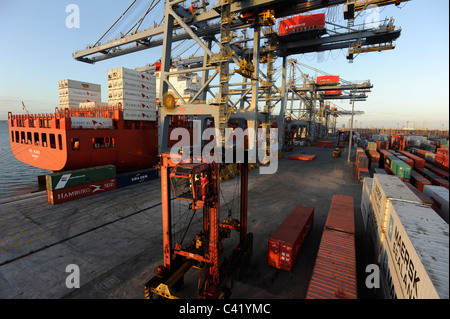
16	178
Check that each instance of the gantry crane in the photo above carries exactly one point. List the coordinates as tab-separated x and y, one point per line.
312	113
191	178
196	181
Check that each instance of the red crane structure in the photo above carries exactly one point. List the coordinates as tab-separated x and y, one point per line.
182	178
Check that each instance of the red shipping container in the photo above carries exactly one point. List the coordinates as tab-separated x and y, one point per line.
443	151
302	23
334	272
407	160
341	215
440	182
333	92
67	194
418	180
442	173
374	156
362	161
302	157
325	143
444	165
418	161
421	153
328	79
378	144
286	242
423	198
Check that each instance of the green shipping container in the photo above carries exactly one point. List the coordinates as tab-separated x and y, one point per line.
401	169
404	170
66	179
394	165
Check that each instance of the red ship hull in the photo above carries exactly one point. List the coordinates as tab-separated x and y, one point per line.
51	142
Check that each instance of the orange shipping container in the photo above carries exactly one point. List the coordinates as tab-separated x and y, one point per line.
374	156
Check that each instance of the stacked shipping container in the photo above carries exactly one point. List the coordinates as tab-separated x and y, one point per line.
362	164
329	80
73	184
72	93
135	91
409	239
417	251
442	157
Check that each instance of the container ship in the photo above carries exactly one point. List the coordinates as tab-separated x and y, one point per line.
84	132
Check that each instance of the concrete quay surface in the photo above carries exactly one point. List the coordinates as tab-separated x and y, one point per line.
115	238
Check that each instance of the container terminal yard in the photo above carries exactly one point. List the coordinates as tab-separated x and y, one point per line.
296	209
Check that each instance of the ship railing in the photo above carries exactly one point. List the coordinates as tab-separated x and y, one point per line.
31	120
110	111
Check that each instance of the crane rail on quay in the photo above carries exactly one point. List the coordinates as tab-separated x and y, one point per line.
215	26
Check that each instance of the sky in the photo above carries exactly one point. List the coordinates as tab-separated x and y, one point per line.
410	83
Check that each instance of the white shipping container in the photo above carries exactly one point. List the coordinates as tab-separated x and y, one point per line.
91	122
375	238
387	281
79	93
385	188
366	206
372	146
124	73
418	242
430	157
139	115
440	196
69	105
117	94
72	99
79	85
92	104
142	86
134	105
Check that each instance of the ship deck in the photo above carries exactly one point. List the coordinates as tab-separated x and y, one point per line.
116	237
